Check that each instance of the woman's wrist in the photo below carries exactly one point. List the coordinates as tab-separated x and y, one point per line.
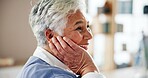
88	69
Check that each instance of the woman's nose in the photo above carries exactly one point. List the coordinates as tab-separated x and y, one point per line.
88	35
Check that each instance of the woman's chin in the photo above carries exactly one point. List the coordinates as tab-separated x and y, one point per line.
84	46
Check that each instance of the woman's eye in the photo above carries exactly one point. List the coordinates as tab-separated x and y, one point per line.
88	26
79	29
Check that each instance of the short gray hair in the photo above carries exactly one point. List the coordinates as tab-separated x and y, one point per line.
52	14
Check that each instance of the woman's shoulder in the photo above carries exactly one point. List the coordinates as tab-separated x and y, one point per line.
37	68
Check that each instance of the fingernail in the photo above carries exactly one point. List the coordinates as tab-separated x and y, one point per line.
58	37
64	38
53	39
49	44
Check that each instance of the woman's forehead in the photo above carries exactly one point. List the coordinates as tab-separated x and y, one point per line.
76	18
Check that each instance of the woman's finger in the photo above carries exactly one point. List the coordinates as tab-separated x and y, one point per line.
65	46
58	46
53	49
55	52
71	43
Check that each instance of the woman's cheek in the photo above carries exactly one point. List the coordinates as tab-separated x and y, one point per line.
76	37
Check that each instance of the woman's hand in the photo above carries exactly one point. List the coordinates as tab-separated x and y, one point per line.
71	54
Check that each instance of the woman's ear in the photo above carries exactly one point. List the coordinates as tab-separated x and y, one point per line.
48	34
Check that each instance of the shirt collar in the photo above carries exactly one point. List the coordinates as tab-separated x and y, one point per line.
49	58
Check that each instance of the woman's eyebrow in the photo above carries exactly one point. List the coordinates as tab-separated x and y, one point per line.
87	22
78	22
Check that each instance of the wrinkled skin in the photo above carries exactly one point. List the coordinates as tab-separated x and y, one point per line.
71	48
75	57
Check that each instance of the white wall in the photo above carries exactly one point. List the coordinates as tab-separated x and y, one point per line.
16	38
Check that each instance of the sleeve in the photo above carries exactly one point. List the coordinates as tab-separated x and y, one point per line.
93	75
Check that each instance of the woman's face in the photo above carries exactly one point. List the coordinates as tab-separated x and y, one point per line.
78	30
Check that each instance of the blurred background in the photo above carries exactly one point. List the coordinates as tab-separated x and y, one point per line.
119	45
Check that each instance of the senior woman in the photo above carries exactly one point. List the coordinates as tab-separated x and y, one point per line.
62	34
